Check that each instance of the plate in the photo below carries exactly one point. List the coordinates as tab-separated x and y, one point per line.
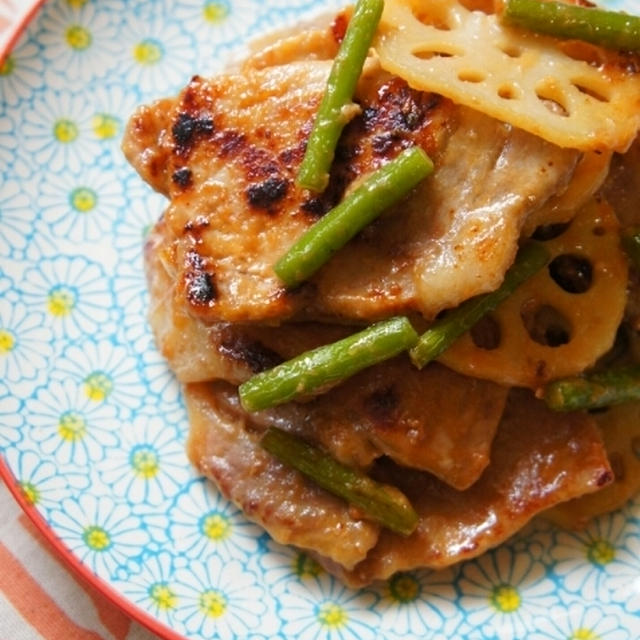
92	424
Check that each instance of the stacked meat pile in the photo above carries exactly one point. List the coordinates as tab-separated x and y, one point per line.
476	458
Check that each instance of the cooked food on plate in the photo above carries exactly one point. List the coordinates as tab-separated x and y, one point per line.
399	276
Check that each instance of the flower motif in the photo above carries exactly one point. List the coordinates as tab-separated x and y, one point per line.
21	73
25	344
580	621
418	603
283	565
153	588
11	418
130	285
220	599
596	561
503	592
69	426
149	465
57	132
202	522
223	22
81	208
7	287
75	293
132	297
298	5
159	56
39	480
105	371
112	104
103	534
12	162
324	608
286	14
143	209
17	215
80	41
159	377
626	589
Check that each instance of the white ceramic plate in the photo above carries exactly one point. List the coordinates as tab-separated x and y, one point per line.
92	425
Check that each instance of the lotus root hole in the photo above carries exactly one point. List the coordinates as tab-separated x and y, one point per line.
572	273
428	54
550	231
429	18
508	92
553	99
591	92
545	324
486	333
511	50
471	75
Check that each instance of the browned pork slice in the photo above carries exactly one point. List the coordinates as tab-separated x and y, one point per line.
291	509
432	419
197	351
539	459
226	152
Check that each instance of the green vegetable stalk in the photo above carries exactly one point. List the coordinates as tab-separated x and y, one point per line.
379	191
382	503
594	391
444	332
326	366
332	113
609	29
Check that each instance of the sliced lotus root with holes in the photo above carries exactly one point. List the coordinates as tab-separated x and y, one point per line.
525	79
620	427
561	320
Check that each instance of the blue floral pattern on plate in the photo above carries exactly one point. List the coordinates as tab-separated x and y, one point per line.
92	425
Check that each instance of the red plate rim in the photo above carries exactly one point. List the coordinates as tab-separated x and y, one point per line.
15	29
134	612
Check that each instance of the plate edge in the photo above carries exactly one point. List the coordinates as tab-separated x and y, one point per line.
82	571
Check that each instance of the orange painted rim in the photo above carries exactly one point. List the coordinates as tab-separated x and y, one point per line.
80	569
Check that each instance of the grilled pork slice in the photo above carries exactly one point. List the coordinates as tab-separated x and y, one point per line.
434	419
226	152
539	459
197	352
292	510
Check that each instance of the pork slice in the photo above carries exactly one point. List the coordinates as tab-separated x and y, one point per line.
434	419
290	508
198	352
227	150
538	459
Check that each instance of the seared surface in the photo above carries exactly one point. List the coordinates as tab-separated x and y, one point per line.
290	508
197	352
226	152
539	459
432	419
